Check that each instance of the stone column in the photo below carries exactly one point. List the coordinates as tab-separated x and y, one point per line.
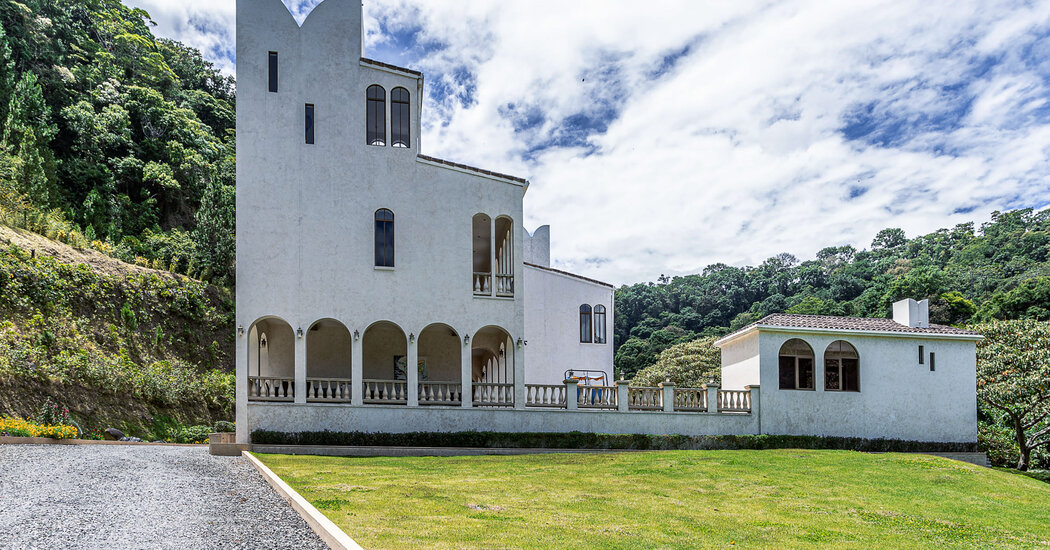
466	373
492	256
519	375
712	397
668	397
622	397
300	365
412	372
357	369
572	400
756	409
241	384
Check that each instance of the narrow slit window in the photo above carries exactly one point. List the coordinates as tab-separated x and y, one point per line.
384	238
922	354
599	324
309	124
933	362
400	117
376	116
273	72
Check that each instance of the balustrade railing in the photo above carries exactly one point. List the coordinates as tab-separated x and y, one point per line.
645	399
734	401
385	392
596	397
493	395
545	395
505	284
690	399
328	390
482	284
271	388
440	393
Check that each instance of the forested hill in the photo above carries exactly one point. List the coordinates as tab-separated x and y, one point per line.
999	271
115	137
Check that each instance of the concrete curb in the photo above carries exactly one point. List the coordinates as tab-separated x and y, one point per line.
13	440
329	532
338	450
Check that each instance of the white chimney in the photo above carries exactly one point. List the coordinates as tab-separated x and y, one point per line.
911	313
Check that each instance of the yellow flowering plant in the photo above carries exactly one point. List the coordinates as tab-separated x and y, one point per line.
22	428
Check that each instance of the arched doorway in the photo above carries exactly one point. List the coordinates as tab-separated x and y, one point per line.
328	363
384	351
271	360
492	368
439	353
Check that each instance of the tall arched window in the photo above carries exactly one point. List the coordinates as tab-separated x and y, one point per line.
599	324
796	365
585	324
376	116
400	117
841	367
384	238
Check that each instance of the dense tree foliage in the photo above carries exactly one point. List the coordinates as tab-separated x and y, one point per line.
1013	381
114	136
999	271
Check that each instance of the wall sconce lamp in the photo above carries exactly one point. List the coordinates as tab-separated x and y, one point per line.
521	343
240	330
357	335
299	333
466	339
411	338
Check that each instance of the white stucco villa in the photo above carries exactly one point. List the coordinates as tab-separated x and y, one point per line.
383	290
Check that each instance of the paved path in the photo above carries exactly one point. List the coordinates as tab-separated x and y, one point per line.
131	496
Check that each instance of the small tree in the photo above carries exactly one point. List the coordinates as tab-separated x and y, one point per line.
1013	378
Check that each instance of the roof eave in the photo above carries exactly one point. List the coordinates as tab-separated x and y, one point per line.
850	332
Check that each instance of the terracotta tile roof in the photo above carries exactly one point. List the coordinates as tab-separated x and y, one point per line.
474	169
831	322
389	66
573	275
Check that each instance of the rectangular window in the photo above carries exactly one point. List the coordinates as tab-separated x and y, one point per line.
273	72
922	354
850	375
787	373
933	362
309	124
805	373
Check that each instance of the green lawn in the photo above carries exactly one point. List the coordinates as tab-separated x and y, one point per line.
673	499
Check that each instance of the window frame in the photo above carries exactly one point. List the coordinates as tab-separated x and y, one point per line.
797	367
386	246
599	326
273	71
310	122
586	317
401	135
375	115
835	360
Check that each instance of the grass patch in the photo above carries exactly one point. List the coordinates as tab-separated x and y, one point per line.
673	499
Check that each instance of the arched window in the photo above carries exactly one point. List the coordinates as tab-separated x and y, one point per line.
585	324
599	324
796	365
400	117
841	367
376	134
384	238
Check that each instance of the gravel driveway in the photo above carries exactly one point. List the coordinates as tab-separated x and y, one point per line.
138	496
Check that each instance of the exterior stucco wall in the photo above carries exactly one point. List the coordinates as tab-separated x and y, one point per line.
740	363
552	326
294	418
898	398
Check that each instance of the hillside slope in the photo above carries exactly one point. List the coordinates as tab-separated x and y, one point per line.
118	344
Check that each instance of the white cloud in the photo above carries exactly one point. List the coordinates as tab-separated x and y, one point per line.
737	151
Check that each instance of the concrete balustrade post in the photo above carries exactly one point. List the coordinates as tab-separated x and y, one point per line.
519	375
622	396
712	397
668	395
756	410
572	399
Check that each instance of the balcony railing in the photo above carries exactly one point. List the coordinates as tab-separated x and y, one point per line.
328	390
596	397
734	401
690	399
440	393
493	395
271	388
545	395
482	284
505	284
645	399
386	392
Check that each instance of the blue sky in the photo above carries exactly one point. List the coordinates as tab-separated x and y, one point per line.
666	136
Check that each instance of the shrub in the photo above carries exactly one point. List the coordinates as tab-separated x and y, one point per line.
225	426
192	434
52	413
